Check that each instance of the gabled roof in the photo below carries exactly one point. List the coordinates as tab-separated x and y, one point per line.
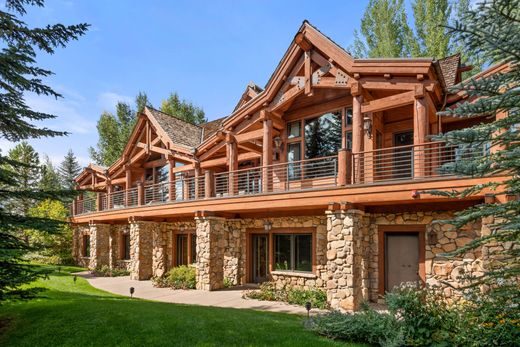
179	131
251	92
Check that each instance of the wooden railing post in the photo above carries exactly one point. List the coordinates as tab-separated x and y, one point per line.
74	206
344	167
98	202
209	184
420	132
267	151
185	188
172	195
110	189
140	193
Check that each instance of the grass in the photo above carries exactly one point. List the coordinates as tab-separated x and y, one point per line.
69	314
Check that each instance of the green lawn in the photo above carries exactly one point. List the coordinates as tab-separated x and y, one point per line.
69	314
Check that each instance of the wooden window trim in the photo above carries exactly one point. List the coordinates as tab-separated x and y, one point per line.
121	254
271	233
420	229
188	233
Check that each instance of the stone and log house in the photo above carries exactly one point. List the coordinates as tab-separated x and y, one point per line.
318	180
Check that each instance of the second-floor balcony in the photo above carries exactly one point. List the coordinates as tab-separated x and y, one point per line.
427	161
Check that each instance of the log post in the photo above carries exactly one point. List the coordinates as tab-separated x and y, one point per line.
128	181
171	181
357	136
196	180
209	184
267	151
344	167
140	193
98	202
420	125
232	157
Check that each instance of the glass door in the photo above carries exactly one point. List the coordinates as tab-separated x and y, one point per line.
403	155
260	253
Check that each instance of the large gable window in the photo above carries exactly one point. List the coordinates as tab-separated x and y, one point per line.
323	135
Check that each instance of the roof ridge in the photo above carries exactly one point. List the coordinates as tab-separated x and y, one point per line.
174	116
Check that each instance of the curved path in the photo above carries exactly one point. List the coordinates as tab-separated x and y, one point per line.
231	298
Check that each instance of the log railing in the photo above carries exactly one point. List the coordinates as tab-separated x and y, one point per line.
396	164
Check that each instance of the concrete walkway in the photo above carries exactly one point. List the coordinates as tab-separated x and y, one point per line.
231	298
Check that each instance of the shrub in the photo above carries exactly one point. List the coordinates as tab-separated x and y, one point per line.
227	282
180	277
296	296
425	314
367	326
105	271
317	297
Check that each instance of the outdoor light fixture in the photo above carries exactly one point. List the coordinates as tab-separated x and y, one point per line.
367	125
277	142
75	279
308	308
132	290
267	226
181	228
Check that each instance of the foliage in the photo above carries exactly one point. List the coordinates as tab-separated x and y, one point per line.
106	271
296	296
179	277
384	29
425	315
183	109
493	30
228	283
430	20
20	75
75	314
55	246
385	32
49	177
366	326
68	170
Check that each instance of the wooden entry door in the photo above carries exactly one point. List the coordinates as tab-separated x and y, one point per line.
401	259
260	257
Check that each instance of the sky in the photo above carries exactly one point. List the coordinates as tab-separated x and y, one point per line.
206	51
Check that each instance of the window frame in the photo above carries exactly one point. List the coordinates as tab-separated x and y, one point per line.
191	253
292	252
123	250
85	248
301	139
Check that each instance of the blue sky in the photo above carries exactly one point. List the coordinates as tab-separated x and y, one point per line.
207	51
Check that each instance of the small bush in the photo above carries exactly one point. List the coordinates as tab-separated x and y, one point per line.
228	283
106	271
367	326
296	296
180	277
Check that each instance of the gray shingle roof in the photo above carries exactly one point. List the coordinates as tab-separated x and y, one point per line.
179	131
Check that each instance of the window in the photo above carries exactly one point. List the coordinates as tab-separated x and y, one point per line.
348	138
323	135
294	130
293	154
126	247
293	252
186	251
86	245
348	117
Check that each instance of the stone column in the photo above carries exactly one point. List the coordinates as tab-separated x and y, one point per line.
113	245
141	237
159	258
99	245
344	258
211	243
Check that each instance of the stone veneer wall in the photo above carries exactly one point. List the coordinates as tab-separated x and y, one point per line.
439	238
99	245
77	245
141	236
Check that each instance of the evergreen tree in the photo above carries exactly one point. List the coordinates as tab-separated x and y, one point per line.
385	31
493	30
141	100
50	180
19	74
183	109
68	170
25	176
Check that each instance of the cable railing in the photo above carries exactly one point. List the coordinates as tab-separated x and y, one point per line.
396	164
429	160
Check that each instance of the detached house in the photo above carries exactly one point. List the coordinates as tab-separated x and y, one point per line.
316	180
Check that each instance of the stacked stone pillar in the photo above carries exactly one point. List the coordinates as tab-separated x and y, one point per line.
211	243
141	247
344	258
114	249
99	245
160	250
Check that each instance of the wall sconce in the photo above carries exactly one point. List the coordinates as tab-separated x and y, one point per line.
182	227
277	142
268	226
367	125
